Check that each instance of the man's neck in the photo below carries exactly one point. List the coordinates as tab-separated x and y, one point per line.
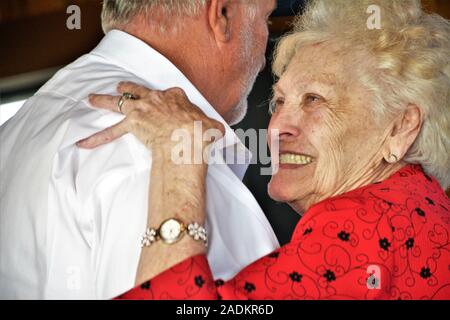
191	57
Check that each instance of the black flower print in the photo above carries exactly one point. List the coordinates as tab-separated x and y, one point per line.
199	282
145	285
384	244
409	243
219	283
274	255
295	277
330	276
425	273
430	201
420	212
249	287
344	236
307	231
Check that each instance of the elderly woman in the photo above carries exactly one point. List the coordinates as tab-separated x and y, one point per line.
363	119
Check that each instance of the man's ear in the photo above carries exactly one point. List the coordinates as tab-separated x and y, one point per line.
220	14
404	132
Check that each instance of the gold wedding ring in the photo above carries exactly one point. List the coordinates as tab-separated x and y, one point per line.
125	96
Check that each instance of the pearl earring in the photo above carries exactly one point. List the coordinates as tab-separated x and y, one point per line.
392	158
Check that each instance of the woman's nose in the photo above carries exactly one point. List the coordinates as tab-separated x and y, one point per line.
285	125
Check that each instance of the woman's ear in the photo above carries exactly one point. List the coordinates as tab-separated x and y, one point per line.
220	15
404	132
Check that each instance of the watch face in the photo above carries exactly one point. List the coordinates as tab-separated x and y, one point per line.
170	231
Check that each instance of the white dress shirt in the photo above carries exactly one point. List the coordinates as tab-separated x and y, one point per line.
71	219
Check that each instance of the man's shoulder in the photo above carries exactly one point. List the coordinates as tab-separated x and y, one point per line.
63	100
60	113
88	74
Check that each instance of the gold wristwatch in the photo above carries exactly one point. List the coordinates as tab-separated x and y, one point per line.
171	231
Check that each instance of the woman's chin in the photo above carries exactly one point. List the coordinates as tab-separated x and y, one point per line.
280	192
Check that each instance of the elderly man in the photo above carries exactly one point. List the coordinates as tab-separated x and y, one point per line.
70	219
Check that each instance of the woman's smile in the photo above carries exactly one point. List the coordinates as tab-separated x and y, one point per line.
294	160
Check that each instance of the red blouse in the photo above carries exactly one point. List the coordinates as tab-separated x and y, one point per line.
387	240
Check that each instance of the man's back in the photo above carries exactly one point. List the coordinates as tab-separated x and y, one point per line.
71	219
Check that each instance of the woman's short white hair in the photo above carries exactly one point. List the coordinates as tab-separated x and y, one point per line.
411	64
118	12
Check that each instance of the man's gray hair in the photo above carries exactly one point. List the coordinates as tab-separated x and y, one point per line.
116	13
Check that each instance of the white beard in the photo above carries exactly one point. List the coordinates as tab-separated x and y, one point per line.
240	111
248	81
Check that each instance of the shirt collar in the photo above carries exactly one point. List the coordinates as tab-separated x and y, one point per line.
156	71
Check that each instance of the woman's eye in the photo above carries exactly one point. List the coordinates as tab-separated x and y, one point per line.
310	98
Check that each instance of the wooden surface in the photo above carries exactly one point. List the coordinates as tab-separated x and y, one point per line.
440	6
34	34
12	10
35	38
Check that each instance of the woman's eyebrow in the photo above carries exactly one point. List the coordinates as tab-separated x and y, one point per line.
328	80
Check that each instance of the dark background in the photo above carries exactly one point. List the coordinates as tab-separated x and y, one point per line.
35	43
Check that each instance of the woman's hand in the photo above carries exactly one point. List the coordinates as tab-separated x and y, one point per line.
152	116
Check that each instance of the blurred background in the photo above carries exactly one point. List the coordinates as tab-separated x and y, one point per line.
35	43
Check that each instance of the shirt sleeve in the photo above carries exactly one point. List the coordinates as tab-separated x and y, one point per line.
325	260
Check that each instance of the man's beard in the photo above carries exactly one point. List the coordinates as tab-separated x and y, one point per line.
238	114
240	111
249	47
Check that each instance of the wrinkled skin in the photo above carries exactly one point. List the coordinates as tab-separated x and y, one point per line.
144	116
322	111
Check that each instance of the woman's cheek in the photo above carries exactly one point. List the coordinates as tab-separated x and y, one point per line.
326	136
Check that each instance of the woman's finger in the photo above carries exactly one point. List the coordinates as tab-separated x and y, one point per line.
109	102
105	136
136	90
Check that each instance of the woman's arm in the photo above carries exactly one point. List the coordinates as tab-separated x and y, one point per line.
327	258
177	191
